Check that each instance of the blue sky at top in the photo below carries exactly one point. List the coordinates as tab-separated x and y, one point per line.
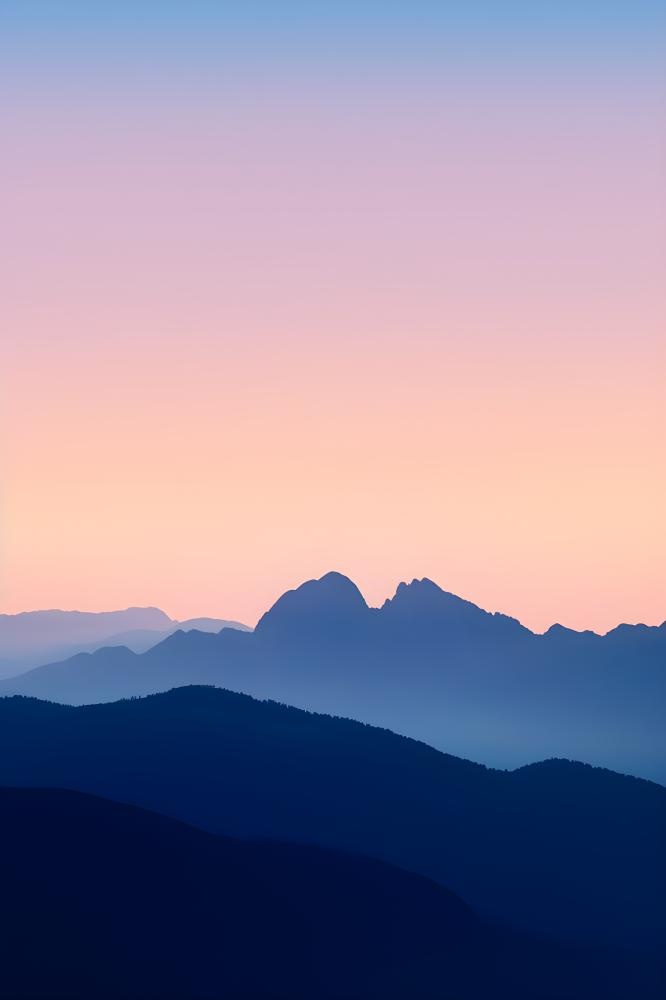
529	28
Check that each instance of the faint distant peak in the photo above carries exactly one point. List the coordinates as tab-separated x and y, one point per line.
45	613
212	625
332	600
54	629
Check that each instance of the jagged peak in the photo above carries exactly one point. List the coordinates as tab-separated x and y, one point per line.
425	592
421	587
425	598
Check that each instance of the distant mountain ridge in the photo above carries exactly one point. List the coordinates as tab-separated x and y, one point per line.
32	638
427	664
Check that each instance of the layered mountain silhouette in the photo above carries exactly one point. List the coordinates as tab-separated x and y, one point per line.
426	664
101	899
558	849
36	637
106	900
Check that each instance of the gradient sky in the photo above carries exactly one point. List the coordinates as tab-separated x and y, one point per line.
376	287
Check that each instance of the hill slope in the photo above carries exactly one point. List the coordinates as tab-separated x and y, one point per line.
558	848
101	899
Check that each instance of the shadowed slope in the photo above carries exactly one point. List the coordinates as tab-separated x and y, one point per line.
100	899
559	848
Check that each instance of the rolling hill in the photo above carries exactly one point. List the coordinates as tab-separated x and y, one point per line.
558	848
105	900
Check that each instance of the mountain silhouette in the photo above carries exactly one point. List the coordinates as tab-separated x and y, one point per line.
33	638
427	664
114	901
558	848
106	900
330	604
422	603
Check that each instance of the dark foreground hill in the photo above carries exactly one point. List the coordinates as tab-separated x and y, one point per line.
558	848
105	900
426	664
100	899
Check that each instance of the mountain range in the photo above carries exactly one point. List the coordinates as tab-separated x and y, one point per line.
558	849
36	637
427	664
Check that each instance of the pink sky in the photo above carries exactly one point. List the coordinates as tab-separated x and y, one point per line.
247	342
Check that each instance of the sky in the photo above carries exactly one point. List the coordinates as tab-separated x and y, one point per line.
289	287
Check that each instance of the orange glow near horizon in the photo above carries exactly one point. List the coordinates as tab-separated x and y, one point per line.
243	349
